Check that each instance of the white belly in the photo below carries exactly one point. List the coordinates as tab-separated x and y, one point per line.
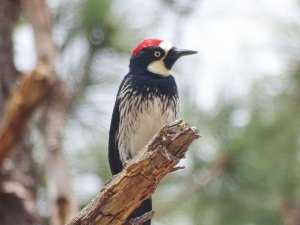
141	124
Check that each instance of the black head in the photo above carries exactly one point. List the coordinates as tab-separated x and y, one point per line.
156	56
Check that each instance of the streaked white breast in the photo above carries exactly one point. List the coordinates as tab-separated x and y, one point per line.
140	121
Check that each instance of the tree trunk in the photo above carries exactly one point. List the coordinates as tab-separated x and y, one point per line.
8	15
54	116
17	176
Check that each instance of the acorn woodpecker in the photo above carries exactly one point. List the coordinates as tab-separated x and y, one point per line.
147	100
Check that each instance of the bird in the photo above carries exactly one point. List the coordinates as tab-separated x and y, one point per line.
147	99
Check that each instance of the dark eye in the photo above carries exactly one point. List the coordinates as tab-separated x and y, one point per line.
157	54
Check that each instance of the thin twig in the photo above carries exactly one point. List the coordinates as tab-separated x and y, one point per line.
141	219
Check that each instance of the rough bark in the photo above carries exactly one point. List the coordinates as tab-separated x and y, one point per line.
139	179
54	116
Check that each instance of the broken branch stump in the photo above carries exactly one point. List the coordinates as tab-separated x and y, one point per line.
124	192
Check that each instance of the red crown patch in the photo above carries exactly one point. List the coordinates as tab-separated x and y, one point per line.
145	44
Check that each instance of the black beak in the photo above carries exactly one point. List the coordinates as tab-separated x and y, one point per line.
177	53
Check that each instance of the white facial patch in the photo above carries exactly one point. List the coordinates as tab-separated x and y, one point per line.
159	66
166	46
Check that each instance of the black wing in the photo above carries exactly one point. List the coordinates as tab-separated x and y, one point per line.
113	151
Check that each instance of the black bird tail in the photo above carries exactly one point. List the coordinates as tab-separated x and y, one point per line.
145	207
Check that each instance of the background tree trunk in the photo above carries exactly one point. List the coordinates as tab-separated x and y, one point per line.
17	174
54	116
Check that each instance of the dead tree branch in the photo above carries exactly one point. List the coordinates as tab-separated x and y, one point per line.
27	95
139	179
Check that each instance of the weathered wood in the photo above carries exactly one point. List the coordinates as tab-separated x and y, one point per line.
28	94
139	179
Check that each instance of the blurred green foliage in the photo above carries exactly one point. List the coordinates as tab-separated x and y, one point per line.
261	179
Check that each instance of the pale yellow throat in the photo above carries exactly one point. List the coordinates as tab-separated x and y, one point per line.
159	67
